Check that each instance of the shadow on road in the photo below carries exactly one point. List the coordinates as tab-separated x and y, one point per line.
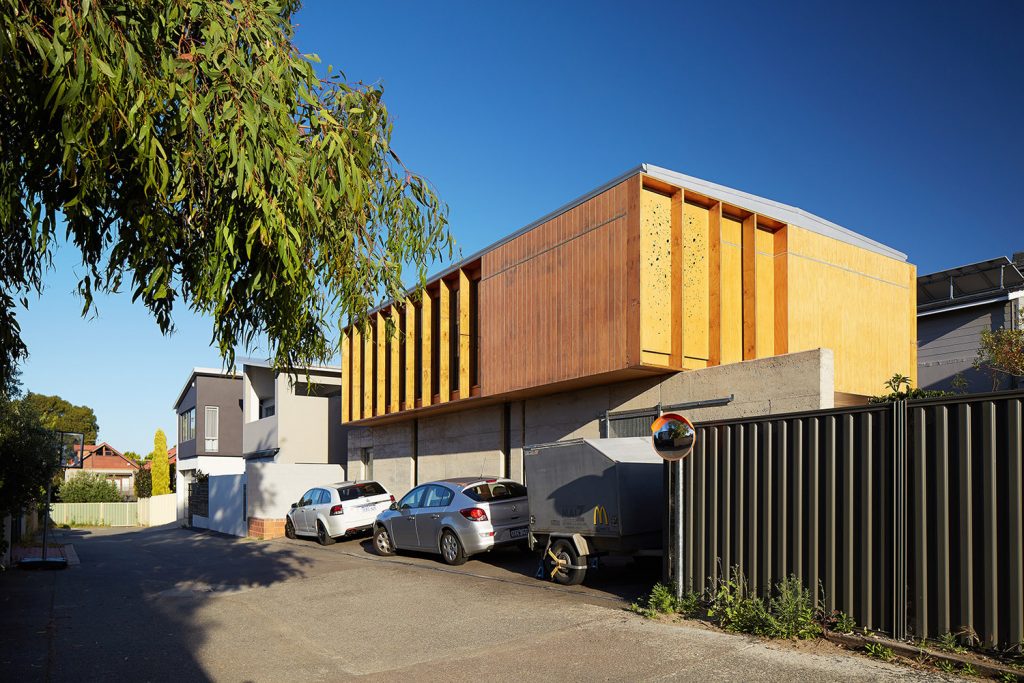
131	610
619	578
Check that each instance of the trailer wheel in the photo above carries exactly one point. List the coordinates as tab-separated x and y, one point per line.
560	554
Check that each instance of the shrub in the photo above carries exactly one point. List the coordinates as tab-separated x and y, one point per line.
89	488
161	468
737	610
143	484
793	611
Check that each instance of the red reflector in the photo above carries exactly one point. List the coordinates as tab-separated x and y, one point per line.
337	510
474	514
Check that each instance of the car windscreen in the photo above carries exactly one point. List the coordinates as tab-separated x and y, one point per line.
370	488
497	490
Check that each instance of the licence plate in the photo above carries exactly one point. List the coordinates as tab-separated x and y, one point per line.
519	533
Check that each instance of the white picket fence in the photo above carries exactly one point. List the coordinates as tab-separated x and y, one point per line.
144	512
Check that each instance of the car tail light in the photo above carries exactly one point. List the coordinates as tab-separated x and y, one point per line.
392	498
337	510
474	514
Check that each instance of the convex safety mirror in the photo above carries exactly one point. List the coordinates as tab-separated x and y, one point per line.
673	436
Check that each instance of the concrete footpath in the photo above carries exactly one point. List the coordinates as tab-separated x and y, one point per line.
169	604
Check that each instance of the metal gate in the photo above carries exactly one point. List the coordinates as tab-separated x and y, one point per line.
905	516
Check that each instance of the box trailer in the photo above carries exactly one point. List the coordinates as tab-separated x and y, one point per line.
593	497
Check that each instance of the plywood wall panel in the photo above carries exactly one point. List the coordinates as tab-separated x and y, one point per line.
656	286
764	292
731	290
696	274
855	302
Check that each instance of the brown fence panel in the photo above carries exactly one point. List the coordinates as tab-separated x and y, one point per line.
905	516
965	513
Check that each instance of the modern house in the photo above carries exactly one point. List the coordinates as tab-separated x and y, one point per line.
290	417
209	414
655	290
105	460
954	307
291	441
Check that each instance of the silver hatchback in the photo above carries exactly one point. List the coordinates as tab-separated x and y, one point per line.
456	518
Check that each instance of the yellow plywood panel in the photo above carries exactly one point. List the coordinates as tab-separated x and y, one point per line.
395	371
346	376
696	294
443	345
368	370
732	290
463	341
912	324
764	294
379	406
426	359
355	378
865	316
409	313
655	278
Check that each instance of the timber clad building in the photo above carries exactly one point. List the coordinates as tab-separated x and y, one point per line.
656	289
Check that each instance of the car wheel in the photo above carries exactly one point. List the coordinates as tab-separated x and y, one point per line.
566	554
382	542
451	548
289	528
322	536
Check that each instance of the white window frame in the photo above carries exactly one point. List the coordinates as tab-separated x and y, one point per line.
211	434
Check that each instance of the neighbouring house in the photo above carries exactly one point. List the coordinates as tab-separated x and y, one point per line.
954	307
656	290
209	419
106	460
291	439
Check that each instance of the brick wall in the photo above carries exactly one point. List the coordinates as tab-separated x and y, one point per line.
265	529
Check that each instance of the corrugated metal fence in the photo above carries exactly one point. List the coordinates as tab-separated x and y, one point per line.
95	514
905	516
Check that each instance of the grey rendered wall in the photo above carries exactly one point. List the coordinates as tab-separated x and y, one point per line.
186	449
473	442
948	342
308	426
226	393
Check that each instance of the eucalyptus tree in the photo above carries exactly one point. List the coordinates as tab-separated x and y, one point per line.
194	157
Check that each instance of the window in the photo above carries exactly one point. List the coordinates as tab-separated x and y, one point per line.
212	428
370	488
437	497
316	389
187	425
366	458
413	499
324	497
308	497
495	491
266	408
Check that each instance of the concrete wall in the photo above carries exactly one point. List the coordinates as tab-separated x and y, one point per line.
473	442
227	504
209	464
272	487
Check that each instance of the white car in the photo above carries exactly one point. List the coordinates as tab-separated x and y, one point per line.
336	510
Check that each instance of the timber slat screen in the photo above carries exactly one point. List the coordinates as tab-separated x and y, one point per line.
905	516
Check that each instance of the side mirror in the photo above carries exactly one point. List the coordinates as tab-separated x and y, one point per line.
294	505
394	506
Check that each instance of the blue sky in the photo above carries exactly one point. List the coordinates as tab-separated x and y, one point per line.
898	120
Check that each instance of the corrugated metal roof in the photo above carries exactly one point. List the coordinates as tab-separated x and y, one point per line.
783	212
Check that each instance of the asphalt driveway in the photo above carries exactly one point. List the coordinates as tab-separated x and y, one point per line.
171	604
